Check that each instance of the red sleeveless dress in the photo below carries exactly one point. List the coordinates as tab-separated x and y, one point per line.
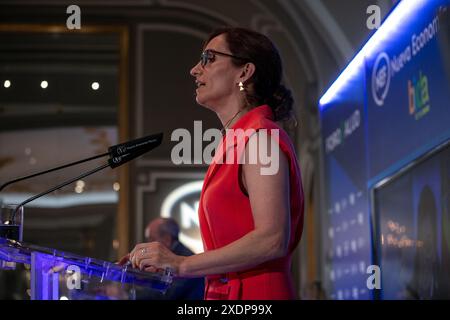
225	215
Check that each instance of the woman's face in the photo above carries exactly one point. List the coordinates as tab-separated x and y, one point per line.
217	81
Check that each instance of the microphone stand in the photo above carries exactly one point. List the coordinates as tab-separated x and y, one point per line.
51	170
103	166
135	147
119	155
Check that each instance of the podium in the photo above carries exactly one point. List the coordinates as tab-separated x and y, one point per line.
58	275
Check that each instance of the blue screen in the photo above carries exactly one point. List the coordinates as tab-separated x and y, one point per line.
413	214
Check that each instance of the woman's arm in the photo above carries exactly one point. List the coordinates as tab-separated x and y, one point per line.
269	199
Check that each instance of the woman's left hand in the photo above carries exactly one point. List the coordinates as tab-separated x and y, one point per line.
154	256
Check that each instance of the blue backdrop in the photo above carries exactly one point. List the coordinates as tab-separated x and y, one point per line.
389	107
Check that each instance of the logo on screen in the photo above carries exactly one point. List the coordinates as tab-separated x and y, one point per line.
182	204
381	78
418	96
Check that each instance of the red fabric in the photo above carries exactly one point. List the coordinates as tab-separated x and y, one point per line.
225	215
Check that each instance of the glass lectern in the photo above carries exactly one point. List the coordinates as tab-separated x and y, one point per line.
58	275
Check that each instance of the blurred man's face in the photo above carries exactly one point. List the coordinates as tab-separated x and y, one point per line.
152	234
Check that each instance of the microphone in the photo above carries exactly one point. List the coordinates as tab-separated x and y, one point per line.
122	153
114	152
139	147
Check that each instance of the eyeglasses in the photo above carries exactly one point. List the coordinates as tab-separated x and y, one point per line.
209	55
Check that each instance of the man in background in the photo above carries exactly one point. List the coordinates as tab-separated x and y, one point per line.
165	231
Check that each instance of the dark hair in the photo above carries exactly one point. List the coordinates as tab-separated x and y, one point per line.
258	49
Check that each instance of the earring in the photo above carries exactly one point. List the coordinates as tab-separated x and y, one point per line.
241	86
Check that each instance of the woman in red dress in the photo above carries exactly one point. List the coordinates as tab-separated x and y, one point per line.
251	215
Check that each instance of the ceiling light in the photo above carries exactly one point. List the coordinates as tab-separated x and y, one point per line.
81	184
79	189
95	85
